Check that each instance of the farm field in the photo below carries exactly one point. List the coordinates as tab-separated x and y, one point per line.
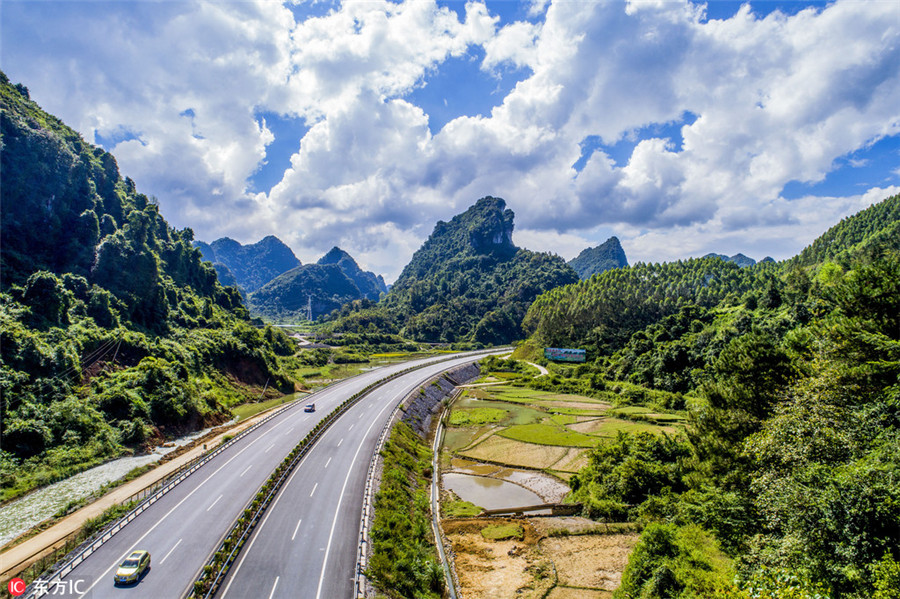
522	427
538	440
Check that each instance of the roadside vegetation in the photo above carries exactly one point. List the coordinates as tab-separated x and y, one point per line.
404	561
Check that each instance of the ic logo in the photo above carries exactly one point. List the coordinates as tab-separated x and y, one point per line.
16	587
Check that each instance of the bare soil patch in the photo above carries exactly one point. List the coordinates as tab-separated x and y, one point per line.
570	593
581	566
595	561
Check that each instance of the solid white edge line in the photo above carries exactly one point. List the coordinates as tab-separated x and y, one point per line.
262	524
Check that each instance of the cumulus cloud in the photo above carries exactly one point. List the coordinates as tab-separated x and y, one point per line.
179	87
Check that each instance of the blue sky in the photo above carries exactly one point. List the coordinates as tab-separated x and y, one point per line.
682	128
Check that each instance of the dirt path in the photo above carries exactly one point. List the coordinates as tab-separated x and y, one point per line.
17	558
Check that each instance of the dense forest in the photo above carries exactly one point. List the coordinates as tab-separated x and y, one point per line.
468	282
114	333
786	484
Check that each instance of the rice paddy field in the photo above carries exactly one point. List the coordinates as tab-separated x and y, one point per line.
522	427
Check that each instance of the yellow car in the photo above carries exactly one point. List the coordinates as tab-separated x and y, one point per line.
134	566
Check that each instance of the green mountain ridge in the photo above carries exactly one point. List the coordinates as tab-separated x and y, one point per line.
114	333
370	285
468	282
788	377
605	256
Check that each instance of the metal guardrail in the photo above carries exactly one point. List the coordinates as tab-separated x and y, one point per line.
449	576
234	540
152	494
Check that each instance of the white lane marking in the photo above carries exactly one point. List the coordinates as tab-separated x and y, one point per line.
305	419
296	529
177	505
337	510
245	470
328	462
351	428
214	503
262	524
270	447
315	486
361	415
274	586
341	441
170	552
288	431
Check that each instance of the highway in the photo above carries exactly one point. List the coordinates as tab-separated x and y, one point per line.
306	545
184	527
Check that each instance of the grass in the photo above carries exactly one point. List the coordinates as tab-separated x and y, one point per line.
499	532
247	410
548	434
564	419
612	426
459	509
476	416
517	414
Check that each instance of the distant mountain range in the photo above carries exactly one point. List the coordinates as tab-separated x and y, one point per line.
251	266
370	285
605	256
739	259
276	284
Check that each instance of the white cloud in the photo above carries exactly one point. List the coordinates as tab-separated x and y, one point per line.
771	100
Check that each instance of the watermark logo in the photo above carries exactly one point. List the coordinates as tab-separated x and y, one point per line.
16	587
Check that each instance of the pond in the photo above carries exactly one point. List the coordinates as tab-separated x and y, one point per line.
490	493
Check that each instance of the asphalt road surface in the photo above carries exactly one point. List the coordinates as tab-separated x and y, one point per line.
306	545
184	527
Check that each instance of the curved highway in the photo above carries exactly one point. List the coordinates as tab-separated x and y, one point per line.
306	545
184	527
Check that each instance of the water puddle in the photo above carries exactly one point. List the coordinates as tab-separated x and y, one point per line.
19	516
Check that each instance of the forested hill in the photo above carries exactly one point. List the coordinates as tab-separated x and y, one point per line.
468	282
606	256
114	333
872	229
784	483
253	265
370	285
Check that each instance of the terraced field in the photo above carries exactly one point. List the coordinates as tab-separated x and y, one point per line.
522	427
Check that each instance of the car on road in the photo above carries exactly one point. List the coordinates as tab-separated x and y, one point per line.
133	568
310	407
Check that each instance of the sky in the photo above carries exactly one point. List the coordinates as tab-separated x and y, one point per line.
681	127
